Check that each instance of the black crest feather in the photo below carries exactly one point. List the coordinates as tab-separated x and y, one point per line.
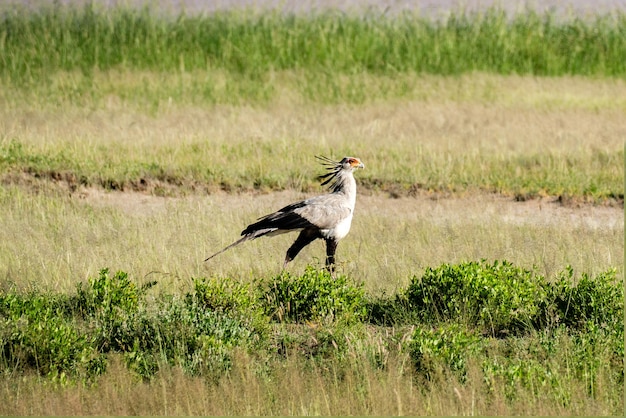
333	168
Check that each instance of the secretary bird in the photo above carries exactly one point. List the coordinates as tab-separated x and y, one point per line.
327	216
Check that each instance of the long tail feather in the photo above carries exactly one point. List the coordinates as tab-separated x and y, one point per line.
239	241
246	237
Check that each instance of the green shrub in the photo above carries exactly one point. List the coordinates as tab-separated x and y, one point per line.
111	307
578	337
198	331
498	297
316	295
232	299
597	300
449	347
202	340
390	310
107	295
35	334
225	295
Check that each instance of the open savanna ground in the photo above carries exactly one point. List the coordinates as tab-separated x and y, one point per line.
483	271
531	178
205	172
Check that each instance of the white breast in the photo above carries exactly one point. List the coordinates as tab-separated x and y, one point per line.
340	230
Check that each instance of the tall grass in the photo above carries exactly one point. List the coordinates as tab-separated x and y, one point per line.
54	241
38	44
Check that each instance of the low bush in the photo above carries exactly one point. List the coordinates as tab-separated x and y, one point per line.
36	334
493	321
448	347
110	306
314	296
223	295
200	340
497	297
597	300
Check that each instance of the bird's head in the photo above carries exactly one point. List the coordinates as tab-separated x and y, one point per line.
336	168
348	163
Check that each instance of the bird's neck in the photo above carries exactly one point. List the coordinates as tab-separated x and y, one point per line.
346	185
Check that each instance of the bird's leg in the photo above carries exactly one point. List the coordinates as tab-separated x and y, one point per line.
331	247
306	237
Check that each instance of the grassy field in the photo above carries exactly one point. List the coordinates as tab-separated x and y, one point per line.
520	136
142	145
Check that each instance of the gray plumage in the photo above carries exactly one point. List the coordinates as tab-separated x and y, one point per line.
327	216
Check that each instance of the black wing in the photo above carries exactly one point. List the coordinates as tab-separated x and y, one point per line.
284	219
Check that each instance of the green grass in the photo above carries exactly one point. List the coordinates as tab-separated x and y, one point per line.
194	166
38	45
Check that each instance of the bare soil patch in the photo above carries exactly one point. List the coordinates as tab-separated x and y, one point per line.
450	209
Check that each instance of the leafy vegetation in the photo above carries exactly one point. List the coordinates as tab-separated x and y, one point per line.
314	296
591	301
450	346
458	318
496	297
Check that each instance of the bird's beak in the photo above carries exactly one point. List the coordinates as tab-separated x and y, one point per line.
359	165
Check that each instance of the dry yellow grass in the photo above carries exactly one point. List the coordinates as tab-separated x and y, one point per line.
293	388
501	115
58	241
